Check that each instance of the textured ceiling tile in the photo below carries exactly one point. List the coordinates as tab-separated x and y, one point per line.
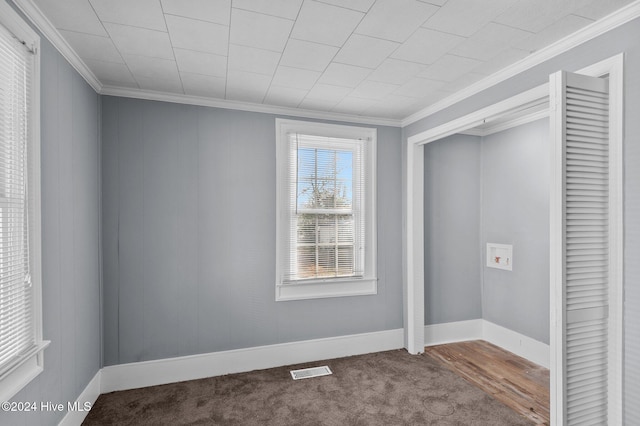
426	46
449	68
395	71
344	75
157	68
111	71
365	51
201	63
198	35
250	59
419	87
463	82
295	78
140	41
90	46
203	85
284	8
597	9
249	81
501	60
327	92
535	15
318	104
436	2
465	17
307	55
73	15
559	29
361	5
139	13
395	20
217	11
326	24
489	41
246	86
351	105
259	30
373	90
285	96
160	85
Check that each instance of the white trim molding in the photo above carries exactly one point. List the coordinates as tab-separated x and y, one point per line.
612	68
614	20
42	23
78	409
479	329
246	106
452	332
170	370
517	343
608	23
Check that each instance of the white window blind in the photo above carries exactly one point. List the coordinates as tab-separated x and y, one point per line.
17	330
326	233
326	204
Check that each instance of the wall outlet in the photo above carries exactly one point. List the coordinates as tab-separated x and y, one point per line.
500	256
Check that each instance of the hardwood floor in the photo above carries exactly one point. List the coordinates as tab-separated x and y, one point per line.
514	381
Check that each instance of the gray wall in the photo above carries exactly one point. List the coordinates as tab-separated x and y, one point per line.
189	236
70	240
515	210
490	189
623	39
452	289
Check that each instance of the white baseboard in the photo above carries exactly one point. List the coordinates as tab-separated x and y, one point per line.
521	345
76	414
170	370
460	331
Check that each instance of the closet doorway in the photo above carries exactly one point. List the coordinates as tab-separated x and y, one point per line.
585	111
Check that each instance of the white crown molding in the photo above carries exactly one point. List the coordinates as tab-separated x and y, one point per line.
591	31
614	20
245	106
45	26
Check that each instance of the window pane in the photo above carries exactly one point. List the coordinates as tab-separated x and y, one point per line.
345	228
325	179
307	262
307	228
305	198
326	262
345	261
326	229
307	163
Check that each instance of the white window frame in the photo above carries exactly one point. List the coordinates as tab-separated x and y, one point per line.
325	287
32	363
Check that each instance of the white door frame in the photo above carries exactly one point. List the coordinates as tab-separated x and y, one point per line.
414	217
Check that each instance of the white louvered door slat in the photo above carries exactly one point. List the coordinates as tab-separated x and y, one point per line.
581	120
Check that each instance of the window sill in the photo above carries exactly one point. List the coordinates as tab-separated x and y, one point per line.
324	289
17	378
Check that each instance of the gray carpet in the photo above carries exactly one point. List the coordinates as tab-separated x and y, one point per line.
384	388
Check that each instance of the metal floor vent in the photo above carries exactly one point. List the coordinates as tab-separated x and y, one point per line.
307	373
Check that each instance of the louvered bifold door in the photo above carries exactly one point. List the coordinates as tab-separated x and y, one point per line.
580	122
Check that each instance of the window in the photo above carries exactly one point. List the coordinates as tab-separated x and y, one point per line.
326	242
21	342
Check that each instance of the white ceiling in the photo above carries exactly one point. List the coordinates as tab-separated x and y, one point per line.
375	58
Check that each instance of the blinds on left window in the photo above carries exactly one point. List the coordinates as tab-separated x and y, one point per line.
17	331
